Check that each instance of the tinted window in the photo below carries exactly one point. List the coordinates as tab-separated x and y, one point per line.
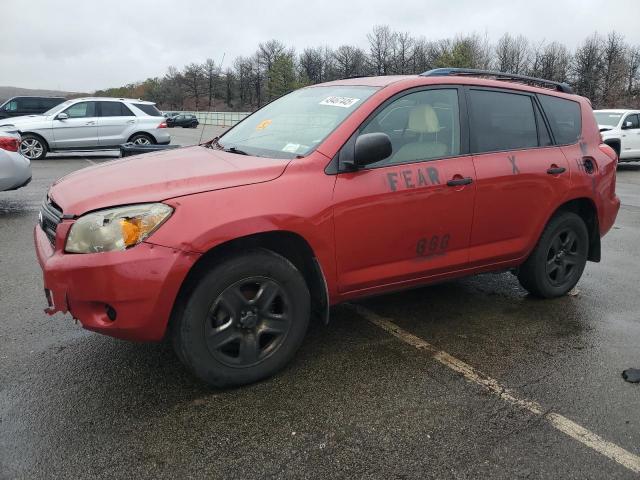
47	103
81	110
421	125
564	118
634	121
544	139
501	121
150	110
114	109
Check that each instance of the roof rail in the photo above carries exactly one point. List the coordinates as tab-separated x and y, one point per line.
445	72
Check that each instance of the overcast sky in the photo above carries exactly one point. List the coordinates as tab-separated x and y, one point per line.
84	45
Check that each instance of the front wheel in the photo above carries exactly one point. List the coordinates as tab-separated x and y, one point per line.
244	319
33	147
558	260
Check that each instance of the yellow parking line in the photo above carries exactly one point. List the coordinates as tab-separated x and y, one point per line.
559	422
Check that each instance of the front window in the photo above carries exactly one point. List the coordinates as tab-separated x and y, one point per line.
295	124
82	110
608	119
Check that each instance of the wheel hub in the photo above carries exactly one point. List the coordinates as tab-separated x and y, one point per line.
248	318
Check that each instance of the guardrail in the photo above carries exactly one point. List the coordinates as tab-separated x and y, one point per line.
219	119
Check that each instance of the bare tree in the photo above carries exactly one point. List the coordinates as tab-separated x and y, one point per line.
350	61
632	74
512	54
211	72
193	81
614	68
587	68
381	45
402	53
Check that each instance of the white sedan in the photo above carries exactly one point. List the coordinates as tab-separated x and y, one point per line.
15	170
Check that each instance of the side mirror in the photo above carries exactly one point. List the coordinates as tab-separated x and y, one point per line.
62	116
371	148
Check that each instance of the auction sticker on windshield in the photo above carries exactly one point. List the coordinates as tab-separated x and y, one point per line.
344	102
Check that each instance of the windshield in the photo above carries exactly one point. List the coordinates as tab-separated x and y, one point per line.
608	119
58	107
295	124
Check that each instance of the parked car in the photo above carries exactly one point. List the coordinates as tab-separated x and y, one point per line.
330	193
183	120
89	124
15	170
18	106
620	129
170	114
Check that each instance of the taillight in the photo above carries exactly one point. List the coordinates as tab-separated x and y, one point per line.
162	125
10	144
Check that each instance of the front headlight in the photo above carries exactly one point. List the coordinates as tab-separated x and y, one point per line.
116	228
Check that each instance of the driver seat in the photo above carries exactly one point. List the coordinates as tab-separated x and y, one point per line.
422	120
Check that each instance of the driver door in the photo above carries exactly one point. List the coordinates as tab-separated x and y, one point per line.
79	130
402	219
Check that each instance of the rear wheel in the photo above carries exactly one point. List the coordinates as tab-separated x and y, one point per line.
33	147
556	264
244	320
142	139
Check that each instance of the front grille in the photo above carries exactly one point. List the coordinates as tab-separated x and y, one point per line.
49	218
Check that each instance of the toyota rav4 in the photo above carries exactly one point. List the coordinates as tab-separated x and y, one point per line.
330	193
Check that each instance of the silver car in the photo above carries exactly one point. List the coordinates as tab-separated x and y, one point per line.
15	170
89	124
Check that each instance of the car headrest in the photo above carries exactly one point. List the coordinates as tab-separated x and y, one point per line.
423	119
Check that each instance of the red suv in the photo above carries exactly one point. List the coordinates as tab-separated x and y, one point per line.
332	192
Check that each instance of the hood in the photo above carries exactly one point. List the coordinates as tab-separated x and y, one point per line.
23	120
154	177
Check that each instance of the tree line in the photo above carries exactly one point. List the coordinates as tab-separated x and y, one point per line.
606	69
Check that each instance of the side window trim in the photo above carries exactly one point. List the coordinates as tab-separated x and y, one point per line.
345	153
539	114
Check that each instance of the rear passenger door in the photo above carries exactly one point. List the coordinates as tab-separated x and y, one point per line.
115	123
521	176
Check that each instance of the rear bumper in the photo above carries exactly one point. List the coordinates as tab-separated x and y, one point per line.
610	208
139	285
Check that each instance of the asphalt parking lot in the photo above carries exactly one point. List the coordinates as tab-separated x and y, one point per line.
467	379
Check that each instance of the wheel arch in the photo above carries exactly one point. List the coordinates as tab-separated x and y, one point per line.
35	134
290	245
587	210
614	143
146	134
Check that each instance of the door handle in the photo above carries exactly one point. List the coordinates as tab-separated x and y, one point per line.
90	123
556	170
456	182
131	122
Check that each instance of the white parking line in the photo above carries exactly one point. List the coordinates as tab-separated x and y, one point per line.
559	422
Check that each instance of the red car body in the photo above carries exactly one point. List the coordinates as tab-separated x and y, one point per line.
371	231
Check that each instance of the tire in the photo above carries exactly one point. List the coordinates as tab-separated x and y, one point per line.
558	260
142	139
244	319
194	125
33	147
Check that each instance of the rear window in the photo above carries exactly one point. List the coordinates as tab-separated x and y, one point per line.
47	103
564	118
501	121
150	110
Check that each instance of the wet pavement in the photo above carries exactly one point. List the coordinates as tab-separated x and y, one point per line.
355	402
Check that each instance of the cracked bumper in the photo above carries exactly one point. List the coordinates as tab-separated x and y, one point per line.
126	294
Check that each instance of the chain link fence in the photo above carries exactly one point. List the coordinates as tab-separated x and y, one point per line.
218	119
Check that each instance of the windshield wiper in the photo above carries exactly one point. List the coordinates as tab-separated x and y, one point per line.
235	150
